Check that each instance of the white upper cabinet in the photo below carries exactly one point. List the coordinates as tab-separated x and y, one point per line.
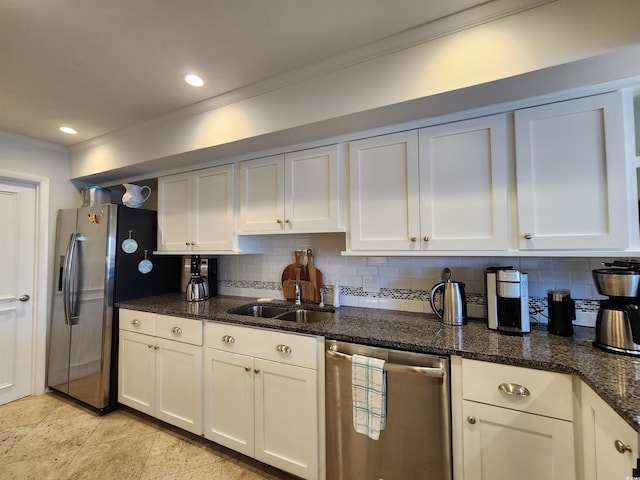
296	192
463	185
442	188
573	167
196	212
384	190
262	195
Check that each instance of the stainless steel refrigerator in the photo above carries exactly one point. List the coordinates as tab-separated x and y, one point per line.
104	254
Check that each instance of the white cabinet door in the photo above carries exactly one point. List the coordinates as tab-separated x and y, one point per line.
229	400
572	164
174	212
503	444
196	211
179	384
213	209
262	195
463	185
286	417
136	371
311	190
384	192
602	427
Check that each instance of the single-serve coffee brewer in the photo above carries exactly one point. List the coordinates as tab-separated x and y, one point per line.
562	312
618	319
507	300
199	278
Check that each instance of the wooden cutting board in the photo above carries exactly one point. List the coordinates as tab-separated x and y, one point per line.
315	277
290	274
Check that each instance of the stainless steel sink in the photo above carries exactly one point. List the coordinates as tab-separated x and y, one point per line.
264	311
305	316
286	313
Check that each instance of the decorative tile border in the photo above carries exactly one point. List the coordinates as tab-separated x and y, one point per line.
473	299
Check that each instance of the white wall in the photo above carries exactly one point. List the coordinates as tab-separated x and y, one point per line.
47	166
553	34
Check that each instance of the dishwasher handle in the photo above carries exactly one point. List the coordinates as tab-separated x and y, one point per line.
434	372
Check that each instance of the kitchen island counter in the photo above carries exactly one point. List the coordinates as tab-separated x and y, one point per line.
613	377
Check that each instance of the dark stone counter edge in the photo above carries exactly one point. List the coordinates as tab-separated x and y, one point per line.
627	405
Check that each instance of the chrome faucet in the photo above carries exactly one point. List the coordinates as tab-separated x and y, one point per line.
298	300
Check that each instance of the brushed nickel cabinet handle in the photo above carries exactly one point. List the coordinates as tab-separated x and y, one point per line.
426	238
528	236
135	321
413	239
149	346
514	389
256	371
247	369
621	447
471	420
228	339
279	221
176	330
156	348
283	349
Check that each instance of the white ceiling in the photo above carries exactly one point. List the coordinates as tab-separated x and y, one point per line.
103	65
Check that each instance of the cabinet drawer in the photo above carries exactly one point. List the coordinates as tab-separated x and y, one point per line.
135	321
267	344
186	330
550	393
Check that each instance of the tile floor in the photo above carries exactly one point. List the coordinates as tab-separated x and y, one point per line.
51	437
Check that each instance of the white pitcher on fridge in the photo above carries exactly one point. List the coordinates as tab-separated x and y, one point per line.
133	196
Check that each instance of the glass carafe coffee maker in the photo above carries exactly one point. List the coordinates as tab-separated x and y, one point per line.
618	319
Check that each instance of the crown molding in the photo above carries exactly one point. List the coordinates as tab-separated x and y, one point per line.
32	142
457	22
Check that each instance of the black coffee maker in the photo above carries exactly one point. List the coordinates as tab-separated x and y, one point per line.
562	312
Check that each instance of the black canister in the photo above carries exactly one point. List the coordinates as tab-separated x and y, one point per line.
562	312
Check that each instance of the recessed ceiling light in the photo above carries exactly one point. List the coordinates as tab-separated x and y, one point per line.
69	130
193	80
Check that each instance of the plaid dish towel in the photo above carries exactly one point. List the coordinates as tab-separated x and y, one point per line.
369	391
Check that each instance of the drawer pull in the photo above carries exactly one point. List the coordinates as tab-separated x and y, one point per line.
621	447
514	389
256	371
149	346
135	321
176	330
283	349
247	369
156	348
228	339
471	420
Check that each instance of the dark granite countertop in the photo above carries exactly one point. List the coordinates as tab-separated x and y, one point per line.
613	377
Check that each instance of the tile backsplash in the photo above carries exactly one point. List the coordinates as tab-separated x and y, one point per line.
404	283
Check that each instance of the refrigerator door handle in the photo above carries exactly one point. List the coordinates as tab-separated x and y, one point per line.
68	296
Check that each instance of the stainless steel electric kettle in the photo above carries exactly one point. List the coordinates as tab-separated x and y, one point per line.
454	300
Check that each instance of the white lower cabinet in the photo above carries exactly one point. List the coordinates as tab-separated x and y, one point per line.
261	395
517	423
609	444
159	376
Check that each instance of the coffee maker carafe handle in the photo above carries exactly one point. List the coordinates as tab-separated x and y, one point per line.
438	286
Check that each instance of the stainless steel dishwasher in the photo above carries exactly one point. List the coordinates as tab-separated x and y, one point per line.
416	442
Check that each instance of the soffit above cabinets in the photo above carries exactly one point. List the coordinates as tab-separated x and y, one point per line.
101	67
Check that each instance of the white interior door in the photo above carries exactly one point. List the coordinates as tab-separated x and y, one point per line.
17	244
